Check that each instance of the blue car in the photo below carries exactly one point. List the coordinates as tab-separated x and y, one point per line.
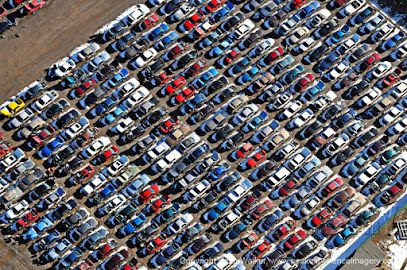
35	231
218	172
168	214
328	61
195	102
394	40
308	10
221	13
216	211
255	122
221	48
249	75
116	79
210	39
205	78
105	193
52	146
166	41
362	16
133	225
239	66
236	231
340	34
114	115
157	32
106	105
313	92
46	241
343	236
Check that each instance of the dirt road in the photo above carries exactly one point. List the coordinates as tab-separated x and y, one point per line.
49	35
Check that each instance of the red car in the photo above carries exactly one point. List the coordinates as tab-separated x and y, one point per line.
41	136
250	240
295	240
193	21
392	192
249	201
84	87
84	174
161	79
260	250
176	84
296	4
321	217
287	187
109	153
273	56
392	78
177	50
116	259
262	209
331	227
185	94
229	57
105	250
33	6
244	150
332	186
257	158
131	265
156	244
211	7
195	69
283	229
305	82
28	219
5	147
3	12
369	62
168	125
149	22
149	193
160	203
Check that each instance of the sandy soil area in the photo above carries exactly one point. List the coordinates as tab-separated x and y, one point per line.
49	35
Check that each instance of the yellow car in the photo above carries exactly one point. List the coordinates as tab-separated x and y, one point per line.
13	107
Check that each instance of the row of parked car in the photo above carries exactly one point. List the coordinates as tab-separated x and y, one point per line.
243	153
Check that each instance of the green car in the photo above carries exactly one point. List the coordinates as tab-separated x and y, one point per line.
388	155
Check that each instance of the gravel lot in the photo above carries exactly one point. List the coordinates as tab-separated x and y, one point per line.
73	29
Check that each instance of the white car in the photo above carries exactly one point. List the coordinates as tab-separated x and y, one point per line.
11	159
309	206
352	7
113	204
392	114
244	114
372	24
336	145
183	11
399	90
400	53
140	11
297	35
318	18
127	87
63	67
16	210
382	69
93	185
399	127
368	173
338	70
237	192
89	50
116	166
196	192
21	118
291	108
262	48
243	29
123	125
369	97
303	118
166	162
144	58
74	130
179	224
45	100
350	43
97	146
139	95
306	45
155	152
384	31
225	262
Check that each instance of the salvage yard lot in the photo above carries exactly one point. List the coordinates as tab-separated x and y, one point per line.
208	100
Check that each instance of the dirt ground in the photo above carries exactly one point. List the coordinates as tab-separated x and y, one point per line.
48	35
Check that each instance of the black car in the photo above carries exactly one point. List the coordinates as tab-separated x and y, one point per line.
63	209
148	72
41	190
33	91
67	118
155	116
251	39
7	24
330	112
222	133
306	249
134	133
145	107
318	52
143	235
56	108
126	213
365	138
359	53
357	89
216	86
121	43
69	166
224	95
209	198
209	253
228	181
232	142
276	19
34	177
135	49
232	22
342	156
310	130
116	30
327	28
171	6
60	156
184	60
263	171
